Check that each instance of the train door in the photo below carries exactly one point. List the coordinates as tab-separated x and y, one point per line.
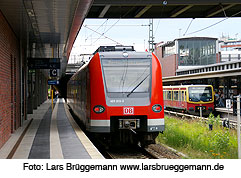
169	98
164	98
175	98
183	99
180	99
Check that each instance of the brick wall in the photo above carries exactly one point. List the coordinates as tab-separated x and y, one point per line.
168	63
9	81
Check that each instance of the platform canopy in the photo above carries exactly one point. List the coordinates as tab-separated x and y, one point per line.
164	8
46	28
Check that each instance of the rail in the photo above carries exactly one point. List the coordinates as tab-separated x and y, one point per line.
152	151
131	153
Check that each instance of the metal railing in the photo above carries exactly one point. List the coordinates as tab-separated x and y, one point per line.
232	124
211	68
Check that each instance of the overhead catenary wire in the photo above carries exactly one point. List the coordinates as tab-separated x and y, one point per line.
104	24
214	23
107	30
102	35
159	19
157	27
188	27
96	29
223	10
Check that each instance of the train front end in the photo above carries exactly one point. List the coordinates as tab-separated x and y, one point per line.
200	100
127	105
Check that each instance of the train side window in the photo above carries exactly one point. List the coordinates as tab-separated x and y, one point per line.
175	95
183	95
179	96
165	95
169	95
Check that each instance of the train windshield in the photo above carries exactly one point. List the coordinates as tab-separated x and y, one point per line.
127	75
201	93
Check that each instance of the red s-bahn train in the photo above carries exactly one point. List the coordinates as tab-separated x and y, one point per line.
117	95
189	99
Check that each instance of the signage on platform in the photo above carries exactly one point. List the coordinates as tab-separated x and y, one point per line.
228	103
53	72
53	82
44	63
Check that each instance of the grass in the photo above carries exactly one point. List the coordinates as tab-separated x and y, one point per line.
194	139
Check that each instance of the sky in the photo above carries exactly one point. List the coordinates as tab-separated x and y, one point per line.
97	32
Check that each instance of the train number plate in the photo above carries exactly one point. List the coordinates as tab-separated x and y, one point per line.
128	110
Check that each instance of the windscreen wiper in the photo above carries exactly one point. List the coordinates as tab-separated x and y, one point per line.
137	86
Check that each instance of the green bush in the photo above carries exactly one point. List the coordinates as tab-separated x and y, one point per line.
211	119
195	139
220	140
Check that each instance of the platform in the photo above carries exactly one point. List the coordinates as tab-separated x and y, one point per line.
226	113
50	135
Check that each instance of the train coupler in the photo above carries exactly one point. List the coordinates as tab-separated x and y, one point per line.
129	124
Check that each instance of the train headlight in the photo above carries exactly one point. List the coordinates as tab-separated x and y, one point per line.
125	54
157	108
99	109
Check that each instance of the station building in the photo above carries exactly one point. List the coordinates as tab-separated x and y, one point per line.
230	49
187	53
35	38
21	90
199	60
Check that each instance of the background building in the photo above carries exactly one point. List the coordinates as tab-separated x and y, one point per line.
197	60
230	49
187	53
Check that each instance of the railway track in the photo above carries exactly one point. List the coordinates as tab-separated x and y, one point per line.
129	153
153	151
232	123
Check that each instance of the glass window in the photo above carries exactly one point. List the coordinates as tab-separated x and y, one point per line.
169	49
179	96
201	93
175	95
196	52
183	96
169	95
165	95
125	75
